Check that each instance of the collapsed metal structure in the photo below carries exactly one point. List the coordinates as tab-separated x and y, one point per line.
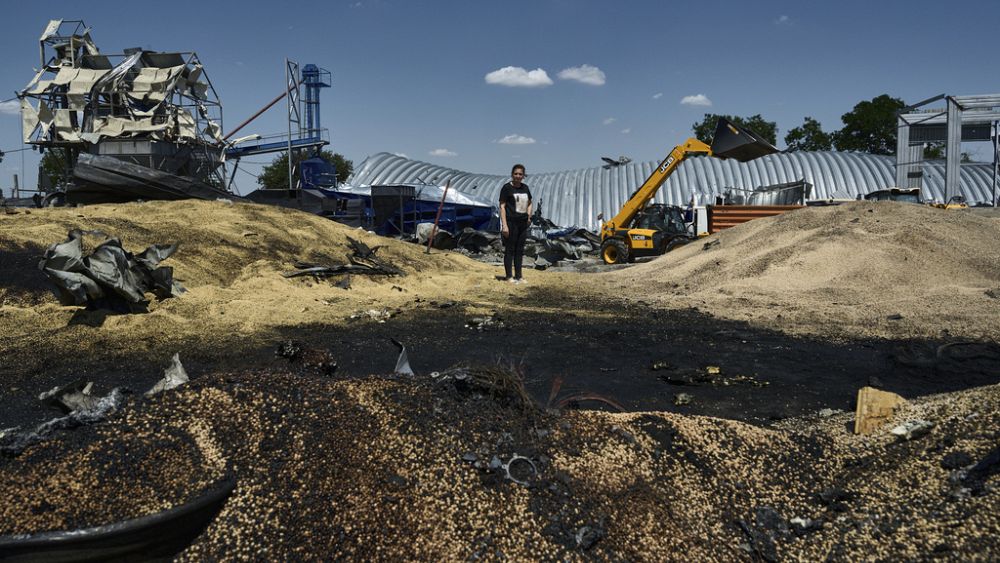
139	124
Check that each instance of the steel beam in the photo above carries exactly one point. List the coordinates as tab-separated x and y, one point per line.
953	150
902	151
968	117
973	102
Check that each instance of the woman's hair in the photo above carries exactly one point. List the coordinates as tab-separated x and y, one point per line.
516	166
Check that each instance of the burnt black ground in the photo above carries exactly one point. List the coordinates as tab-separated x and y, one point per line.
608	348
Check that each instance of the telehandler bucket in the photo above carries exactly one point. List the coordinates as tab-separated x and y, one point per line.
733	141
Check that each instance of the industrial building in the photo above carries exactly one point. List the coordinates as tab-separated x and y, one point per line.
576	197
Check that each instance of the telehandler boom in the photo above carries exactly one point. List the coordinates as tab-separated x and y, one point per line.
641	229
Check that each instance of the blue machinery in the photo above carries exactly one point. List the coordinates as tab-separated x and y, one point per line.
390	210
314	78
306	135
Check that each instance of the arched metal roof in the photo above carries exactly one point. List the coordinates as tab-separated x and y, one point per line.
575	197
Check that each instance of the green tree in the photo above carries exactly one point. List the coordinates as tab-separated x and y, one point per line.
275	175
808	137
54	165
870	127
935	151
704	130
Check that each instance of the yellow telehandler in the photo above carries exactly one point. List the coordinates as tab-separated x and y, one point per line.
644	229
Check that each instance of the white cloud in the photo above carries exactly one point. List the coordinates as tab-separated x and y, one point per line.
516	140
626	131
609	120
657	95
696	100
585	73
442	152
783	20
356	5
516	76
10	107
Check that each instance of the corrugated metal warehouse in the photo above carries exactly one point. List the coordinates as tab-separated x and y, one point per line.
575	197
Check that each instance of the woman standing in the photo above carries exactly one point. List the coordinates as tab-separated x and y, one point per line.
515	211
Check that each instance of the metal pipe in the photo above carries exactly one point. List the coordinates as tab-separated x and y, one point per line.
256	115
430	239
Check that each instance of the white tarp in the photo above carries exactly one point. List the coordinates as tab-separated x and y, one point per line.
81	86
29	120
65	75
424	193
110	80
118	127
40	87
88	43
186	128
64	126
196	88
143	95
37	85
50	29
155	83
85	79
45	118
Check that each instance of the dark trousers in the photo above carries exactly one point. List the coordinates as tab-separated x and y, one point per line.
513	245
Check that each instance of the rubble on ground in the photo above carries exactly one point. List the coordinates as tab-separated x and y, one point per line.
363	260
544	247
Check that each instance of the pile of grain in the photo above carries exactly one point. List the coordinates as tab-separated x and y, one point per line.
400	469
862	268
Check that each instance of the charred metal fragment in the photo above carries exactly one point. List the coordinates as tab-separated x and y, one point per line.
110	277
173	376
363	261
70	397
403	361
12	443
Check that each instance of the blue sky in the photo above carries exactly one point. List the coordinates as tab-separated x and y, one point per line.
428	80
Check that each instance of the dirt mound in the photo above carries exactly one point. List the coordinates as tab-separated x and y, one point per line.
351	466
221	242
863	267
423	469
230	260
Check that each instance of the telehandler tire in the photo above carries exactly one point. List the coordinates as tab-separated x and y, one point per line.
614	251
675	243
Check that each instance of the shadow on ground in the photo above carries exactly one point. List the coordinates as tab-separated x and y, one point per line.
23	282
641	357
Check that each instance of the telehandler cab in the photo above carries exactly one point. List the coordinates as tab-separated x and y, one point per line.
644	229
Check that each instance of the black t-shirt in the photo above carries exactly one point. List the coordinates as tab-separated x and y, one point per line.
515	201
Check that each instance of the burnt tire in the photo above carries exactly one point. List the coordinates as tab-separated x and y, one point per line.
614	251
